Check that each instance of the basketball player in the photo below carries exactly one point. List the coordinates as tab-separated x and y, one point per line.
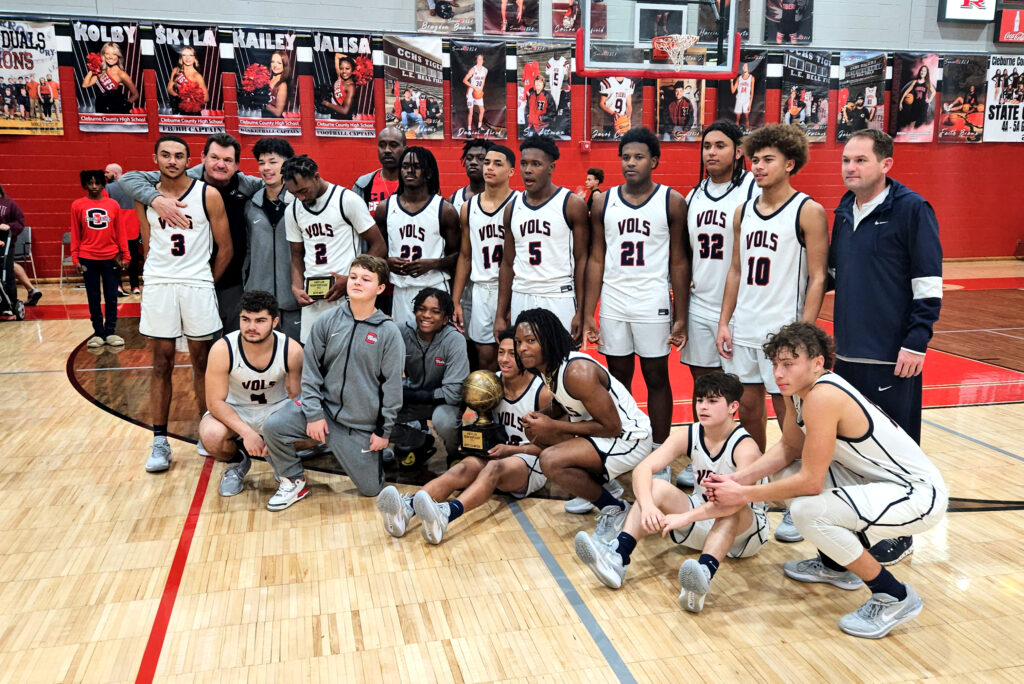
606	435
251	373
179	298
511	467
617	102
716	445
547	235
474	81
557	70
473	153
851	474
421	229
517	7
743	88
480	254
789	25
323	228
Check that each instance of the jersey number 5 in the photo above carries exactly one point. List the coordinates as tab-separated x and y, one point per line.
534	249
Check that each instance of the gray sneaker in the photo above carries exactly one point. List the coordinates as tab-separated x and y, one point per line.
602	559
610	521
580	506
433	516
684	480
786	531
880	614
233	479
813	570
695	580
665	474
395	510
160	456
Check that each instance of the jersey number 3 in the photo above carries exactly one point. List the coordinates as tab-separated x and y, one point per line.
177	244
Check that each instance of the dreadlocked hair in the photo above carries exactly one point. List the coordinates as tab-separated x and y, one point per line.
555	341
444	301
428	164
302	165
734	133
475	142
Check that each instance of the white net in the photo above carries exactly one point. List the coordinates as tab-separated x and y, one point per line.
675	46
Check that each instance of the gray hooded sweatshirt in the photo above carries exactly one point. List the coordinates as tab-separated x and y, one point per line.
439	365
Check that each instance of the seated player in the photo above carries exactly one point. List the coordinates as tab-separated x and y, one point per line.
250	374
715	444
851	475
511	467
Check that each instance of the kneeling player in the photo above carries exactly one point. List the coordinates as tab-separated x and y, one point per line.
512	468
250	374
715	444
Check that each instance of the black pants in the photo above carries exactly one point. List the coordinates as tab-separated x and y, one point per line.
135	267
228	299
106	273
10	285
900	398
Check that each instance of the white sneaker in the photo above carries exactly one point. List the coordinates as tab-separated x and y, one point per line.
695	579
581	506
813	570
95	342
610	521
395	510
684	480
160	456
786	531
288	493
880	614
602	559
232	482
433	516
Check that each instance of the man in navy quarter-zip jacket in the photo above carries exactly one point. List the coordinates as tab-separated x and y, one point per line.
886	260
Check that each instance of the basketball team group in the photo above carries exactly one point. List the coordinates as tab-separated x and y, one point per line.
321	318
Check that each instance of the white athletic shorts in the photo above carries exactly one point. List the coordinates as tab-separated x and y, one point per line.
620	456
473	101
536	480
648	340
481	316
742	105
748	542
170	310
752	367
314	311
255	415
700	349
563	307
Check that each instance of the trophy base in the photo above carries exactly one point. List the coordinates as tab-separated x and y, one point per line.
477	440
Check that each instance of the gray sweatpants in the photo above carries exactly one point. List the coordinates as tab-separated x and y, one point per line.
445	418
366	468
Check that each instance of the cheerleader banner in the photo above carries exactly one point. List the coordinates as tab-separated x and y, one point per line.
543	97
1004	108
805	77
188	79
343	85
912	113
29	90
478	90
861	96
963	98
267	82
108	73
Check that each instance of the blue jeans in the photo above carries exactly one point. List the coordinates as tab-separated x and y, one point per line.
103	272
415	117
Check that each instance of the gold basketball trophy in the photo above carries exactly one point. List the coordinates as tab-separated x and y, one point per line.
481	391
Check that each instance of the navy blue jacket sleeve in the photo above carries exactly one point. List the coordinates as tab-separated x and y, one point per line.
926	277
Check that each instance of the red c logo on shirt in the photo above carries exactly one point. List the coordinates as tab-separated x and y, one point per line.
371	338
438	361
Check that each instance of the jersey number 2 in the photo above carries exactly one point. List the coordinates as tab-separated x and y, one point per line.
320	254
411	252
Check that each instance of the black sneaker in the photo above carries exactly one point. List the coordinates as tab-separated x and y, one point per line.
892	551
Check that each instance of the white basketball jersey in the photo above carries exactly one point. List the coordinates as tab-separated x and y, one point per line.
744	87
636	282
635	423
486	239
249	386
181	255
510	412
871	96
329	239
722	463
619	93
458	198
416	236
544	262
886	453
557	70
477	77
773	271
710	209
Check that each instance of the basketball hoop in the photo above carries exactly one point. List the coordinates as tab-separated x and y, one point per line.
673	47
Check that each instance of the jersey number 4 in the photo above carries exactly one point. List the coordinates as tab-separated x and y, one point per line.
258	398
632	254
711	245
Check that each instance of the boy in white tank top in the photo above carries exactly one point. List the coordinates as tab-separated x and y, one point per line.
252	372
421	229
179	298
851	475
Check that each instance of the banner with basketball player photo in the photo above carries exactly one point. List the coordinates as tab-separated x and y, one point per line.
1004	113
912	114
479	103
707	24
445	16
542	91
28	69
742	99
861	96
788	22
343	85
567	16
616	105
108	76
964	81
266	72
681	104
512	17
414	86
188	78
805	79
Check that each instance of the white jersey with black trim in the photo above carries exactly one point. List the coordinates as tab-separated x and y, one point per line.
249	386
329	230
721	463
477	77
486	239
416	236
618	91
885	453
635	423
710	210
557	70
636	274
773	271
544	263
459	198
181	255
744	88
509	413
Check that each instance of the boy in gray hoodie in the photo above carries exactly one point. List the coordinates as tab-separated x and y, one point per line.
351	390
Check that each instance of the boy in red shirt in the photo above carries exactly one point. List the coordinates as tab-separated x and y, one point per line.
99	250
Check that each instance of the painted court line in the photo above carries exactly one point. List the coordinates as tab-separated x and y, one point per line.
604	644
972	439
